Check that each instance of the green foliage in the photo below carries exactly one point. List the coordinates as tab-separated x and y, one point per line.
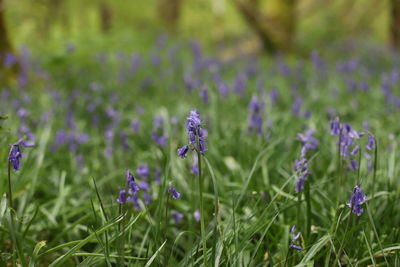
65	198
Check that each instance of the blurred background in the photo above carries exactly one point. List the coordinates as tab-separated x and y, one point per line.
294	27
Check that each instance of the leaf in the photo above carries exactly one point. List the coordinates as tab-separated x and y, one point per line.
315	248
35	253
155	255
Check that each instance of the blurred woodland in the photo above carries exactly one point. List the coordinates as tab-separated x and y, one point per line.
287	26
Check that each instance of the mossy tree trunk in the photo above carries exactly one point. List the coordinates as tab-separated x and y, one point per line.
106	17
169	12
276	27
5	45
395	24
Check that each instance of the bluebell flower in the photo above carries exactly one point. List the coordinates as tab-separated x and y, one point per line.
223	89
355	150
296	107
204	95
196	215
301	169
335	127
143	171
308	141
194	130
134	199
172	191
158	134
274	95
130	180
239	86
183	151
354	164
122	197
295	237
177	216
255	120
147	199
15	154
356	200
195	169
135	125
144	186
371	143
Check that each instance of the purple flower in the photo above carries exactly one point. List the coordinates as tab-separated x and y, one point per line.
135	126
183	151
143	171
204	95
223	89
308	140
15	154
195	169
135	202
196	215
354	164
122	197
371	143
177	216
175	194
294	238
239	86
356	200
301	168
147	199
355	150
347	139
194	131
158	132
335	127
130	180
255	119
274	96
296	107
144	186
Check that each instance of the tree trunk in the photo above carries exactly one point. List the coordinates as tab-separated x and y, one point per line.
5	44
169	12
6	50
395	24
105	17
275	27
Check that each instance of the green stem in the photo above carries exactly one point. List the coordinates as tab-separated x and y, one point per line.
308	202
343	240
299	209
375	166
15	244
121	228
287	257
339	185
359	167
10	198
203	237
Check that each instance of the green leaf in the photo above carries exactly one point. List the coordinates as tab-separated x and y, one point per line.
315	248
155	254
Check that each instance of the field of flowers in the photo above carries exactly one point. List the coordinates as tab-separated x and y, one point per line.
177	156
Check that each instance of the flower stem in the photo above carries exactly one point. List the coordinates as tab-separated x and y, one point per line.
308	203
375	166
16	244
10	198
201	205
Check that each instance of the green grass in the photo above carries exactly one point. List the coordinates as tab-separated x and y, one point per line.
64	200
